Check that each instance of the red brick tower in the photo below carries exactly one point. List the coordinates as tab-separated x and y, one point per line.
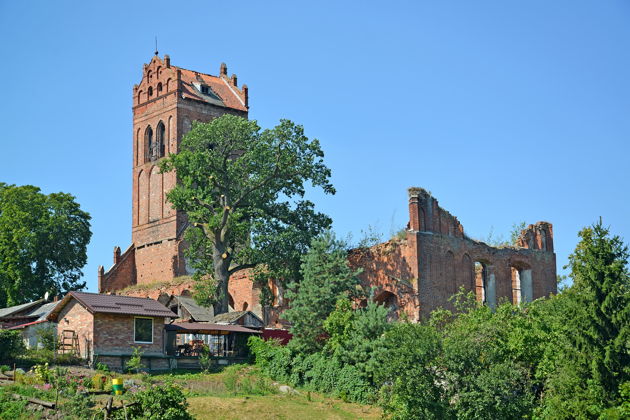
165	103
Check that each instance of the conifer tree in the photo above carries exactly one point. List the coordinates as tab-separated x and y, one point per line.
326	278
599	267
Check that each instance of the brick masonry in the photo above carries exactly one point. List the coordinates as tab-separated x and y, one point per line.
420	273
414	275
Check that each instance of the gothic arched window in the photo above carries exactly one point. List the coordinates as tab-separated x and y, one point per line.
149	143
161	140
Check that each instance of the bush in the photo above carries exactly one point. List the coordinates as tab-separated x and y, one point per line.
47	337
98	381
12	409
11	344
4	368
165	402
272	358
135	363
240	379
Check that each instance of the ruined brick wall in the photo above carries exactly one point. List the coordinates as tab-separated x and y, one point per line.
390	272
122	273
114	334
437	259
74	317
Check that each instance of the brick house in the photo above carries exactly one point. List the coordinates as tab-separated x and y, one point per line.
106	328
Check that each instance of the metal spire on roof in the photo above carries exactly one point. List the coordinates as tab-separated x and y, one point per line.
156	50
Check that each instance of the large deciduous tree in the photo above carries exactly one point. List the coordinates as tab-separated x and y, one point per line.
43	242
243	189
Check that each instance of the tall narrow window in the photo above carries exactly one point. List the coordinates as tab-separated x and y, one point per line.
161	134
149	144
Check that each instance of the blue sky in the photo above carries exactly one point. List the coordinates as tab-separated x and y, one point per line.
505	111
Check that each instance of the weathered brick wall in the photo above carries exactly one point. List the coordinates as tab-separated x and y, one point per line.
390	268
436	259
121	274
114	334
74	317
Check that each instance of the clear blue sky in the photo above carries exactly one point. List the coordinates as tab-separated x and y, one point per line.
505	111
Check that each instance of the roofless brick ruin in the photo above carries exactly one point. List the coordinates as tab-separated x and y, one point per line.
414	275
421	272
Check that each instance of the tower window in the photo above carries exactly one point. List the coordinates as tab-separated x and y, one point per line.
159	88
150	91
148	141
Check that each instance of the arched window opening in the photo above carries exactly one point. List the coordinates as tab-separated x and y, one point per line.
390	301
480	281
231	301
521	284
150	91
158	151
485	284
140	96
148	141
245	305
168	85
149	75
158	71
159	88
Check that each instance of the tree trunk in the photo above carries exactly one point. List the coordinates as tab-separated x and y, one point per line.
221	276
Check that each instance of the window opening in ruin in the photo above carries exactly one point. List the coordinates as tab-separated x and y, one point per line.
516	285
521	284
245	305
159	88
480	281
157	150
150	91
390	301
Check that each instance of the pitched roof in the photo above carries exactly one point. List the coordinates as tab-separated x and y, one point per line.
114	304
222	92
231	317
206	327
42	312
198	313
12	310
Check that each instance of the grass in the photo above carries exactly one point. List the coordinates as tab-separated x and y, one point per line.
237	392
278	406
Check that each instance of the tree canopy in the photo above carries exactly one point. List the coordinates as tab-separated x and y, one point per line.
43	243
243	190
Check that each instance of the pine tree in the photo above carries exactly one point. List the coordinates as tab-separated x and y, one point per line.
599	267
326	278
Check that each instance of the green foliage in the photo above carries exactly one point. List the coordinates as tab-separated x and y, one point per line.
595	360
43	242
407	373
12	409
4	368
11	344
98	381
47	337
272	358
102	367
165	402
326	278
205	360
240	379
135	362
242	189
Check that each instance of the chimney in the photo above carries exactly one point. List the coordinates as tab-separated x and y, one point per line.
101	273
246	95
223	70
234	80
167	60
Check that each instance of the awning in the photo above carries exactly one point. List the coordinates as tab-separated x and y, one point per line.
207	328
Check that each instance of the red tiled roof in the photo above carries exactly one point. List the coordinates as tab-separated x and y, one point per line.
229	95
114	304
201	327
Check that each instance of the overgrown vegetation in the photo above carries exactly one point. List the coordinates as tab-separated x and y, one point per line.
561	357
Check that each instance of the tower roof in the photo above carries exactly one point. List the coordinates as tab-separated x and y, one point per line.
160	78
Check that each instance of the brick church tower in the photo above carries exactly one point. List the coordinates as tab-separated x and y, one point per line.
165	103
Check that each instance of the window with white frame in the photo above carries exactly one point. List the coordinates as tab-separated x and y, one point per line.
143	330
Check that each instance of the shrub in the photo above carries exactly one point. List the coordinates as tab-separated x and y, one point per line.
205	360
47	337
98	381
4	368
272	358
135	363
102	367
11	344
165	402
12	409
